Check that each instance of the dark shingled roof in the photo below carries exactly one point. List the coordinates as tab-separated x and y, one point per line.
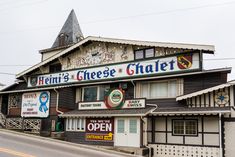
190	110
111	112
71	30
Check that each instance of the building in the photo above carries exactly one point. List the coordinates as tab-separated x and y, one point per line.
125	93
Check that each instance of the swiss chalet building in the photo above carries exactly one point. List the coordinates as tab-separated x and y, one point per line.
125	93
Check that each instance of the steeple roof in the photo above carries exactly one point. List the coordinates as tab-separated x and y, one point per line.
70	33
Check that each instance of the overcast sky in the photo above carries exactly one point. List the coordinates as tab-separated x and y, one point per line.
27	26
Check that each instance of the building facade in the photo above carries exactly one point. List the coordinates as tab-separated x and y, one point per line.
125	93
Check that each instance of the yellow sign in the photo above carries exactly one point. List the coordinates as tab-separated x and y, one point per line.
99	137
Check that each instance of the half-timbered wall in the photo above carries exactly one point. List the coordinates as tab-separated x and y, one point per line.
162	133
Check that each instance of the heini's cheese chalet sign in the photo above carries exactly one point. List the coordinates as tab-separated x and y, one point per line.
152	67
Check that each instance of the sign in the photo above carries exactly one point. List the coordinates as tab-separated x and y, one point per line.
99	105
99	129
221	98
135	69
35	104
114	99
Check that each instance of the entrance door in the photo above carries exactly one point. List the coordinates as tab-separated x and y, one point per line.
127	132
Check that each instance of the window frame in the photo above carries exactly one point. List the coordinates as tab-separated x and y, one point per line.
71	124
98	92
184	121
178	86
144	53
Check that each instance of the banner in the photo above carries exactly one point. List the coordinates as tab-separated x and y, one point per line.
153	67
35	104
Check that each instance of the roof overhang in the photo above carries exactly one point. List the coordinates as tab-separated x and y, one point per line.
214	112
208	90
100	115
204	48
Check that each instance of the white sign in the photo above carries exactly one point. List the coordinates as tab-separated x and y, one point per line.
35	104
135	103
157	66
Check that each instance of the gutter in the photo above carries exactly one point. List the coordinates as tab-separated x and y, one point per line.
57	102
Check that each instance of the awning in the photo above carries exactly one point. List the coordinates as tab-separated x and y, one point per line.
228	84
191	111
110	112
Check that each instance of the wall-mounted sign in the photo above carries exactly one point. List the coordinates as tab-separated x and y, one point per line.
114	99
221	98
101	129
35	104
145	68
99	105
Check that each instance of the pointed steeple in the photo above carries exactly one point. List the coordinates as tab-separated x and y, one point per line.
70	33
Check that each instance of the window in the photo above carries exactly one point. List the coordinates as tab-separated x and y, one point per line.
120	126
139	54
55	68
144	53
160	89
185	127
75	124
149	53
94	93
133	126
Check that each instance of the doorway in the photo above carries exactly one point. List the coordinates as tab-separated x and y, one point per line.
127	132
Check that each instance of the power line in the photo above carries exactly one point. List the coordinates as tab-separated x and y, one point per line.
162	12
214	59
3	73
127	17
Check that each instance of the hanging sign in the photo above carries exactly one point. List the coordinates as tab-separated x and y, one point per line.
153	67
99	129
35	104
114	99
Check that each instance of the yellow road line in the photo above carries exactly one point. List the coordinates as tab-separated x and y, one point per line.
16	153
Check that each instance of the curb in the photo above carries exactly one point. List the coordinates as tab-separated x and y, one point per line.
47	139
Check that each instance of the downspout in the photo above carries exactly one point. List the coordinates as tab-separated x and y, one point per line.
134	88
220	136
57	102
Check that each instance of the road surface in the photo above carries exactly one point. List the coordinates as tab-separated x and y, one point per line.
19	145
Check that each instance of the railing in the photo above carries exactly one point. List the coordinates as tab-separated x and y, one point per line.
162	150
2	120
14	123
32	125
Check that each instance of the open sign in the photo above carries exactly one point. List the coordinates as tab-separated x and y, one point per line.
100	125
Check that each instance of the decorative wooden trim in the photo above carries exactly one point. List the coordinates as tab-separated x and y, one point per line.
186	144
166	131
202	122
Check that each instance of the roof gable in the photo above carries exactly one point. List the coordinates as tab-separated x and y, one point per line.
205	48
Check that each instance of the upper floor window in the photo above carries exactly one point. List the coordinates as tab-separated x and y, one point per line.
144	53
55	68
160	89
62	39
94	93
185	127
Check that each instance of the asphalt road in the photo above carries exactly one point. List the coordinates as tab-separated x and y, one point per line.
18	145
